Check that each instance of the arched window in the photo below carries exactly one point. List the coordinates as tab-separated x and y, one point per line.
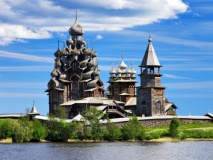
157	108
144	107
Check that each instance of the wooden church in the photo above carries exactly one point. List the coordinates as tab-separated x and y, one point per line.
75	82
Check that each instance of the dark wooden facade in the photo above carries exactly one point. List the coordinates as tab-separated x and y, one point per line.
150	93
75	75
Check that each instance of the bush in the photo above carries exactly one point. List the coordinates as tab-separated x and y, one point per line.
173	128
5	129
197	134
39	131
21	130
156	134
75	130
112	132
58	131
92	126
133	130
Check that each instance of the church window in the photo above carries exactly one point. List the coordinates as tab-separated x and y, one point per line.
158	107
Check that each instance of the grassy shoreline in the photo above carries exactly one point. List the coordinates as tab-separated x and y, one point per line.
24	130
159	140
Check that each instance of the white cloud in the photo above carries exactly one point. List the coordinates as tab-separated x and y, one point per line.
175	77
26	69
23	19
22	85
175	5
104	68
99	37
19	31
188	67
183	42
26	57
190	85
10	33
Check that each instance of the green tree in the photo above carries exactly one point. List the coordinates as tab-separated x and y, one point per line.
133	130
6	129
92	126
75	130
55	127
60	112
39	131
59	130
22	130
173	127
112	131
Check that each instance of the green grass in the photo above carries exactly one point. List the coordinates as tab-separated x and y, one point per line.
192	130
195	125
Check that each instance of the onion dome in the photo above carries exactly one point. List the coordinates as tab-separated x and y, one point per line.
81	41
129	71
122	65
112	71
64	52
90	63
57	53
119	71
54	73
69	42
58	63
94	53
87	51
96	73
75	51
76	29
133	71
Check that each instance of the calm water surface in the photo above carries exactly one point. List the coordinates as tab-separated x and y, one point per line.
201	150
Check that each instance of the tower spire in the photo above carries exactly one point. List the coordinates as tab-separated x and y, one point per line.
64	43
92	44
58	43
112	65
150	38
76	16
150	58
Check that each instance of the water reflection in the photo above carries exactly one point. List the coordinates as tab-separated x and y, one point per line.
107	151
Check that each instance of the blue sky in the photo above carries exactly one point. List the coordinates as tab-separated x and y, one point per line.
182	33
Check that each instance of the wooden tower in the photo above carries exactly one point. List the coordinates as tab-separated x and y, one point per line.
150	93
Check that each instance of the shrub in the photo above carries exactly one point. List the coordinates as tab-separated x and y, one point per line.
92	126
21	130
156	134
39	131
197	134
58	131
112	132
133	130
6	129
173	128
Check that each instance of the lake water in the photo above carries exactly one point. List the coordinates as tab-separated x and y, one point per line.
201	150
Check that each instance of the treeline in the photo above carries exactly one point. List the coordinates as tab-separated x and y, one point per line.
57	130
